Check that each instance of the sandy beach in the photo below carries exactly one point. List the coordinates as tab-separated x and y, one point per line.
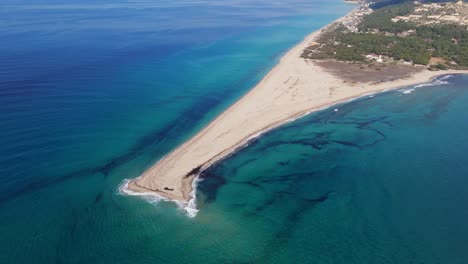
293	88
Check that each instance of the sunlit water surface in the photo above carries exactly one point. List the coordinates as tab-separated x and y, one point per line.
92	93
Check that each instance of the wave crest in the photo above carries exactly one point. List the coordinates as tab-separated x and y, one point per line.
189	208
438	81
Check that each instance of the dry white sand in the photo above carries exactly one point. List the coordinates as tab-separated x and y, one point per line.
292	89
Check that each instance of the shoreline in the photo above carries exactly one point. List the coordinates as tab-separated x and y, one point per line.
273	102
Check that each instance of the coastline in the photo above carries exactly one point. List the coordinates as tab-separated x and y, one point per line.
293	88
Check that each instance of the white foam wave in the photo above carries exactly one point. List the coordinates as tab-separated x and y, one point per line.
434	83
150	197
407	91
446	77
189	208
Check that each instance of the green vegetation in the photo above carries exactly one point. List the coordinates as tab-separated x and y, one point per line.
376	4
438	67
352	47
449	42
380	19
395	41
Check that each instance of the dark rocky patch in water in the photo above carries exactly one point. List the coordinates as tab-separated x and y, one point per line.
98	198
184	123
210	184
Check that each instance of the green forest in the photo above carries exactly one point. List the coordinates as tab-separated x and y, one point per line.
376	4
379	35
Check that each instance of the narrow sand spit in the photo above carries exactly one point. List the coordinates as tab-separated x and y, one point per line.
292	89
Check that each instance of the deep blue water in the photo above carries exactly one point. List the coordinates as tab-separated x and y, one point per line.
92	93
87	87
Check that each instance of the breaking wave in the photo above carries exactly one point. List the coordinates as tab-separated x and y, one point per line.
189	208
407	91
438	81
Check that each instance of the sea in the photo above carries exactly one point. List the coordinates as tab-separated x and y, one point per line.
94	92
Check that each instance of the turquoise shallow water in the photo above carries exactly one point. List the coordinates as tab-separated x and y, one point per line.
96	100
381	180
